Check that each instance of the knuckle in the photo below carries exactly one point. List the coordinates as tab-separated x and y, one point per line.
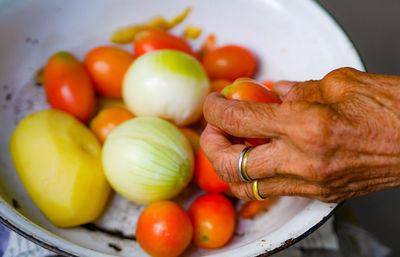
231	113
317	130
318	127
339	83
297	92
308	90
339	74
208	107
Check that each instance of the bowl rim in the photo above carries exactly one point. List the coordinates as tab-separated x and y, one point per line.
295	240
55	249
289	242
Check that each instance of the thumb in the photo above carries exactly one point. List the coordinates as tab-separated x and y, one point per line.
283	87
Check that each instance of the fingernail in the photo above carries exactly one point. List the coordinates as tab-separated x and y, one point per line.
283	87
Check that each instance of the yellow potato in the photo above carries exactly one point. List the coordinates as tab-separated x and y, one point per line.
59	162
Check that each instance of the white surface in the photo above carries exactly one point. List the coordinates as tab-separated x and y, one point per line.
293	39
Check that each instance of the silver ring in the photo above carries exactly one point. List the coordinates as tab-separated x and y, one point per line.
242	164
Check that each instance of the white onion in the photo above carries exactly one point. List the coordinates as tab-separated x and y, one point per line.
167	84
147	159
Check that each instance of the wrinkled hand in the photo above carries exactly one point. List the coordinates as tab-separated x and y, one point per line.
332	139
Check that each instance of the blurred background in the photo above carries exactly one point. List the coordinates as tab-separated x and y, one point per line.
373	26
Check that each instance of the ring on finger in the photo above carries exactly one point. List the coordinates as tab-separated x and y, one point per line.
256	193
242	164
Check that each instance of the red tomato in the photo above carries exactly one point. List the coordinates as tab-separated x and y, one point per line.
246	89
252	208
107	66
205	175
213	219
68	86
230	62
269	84
154	39
164	229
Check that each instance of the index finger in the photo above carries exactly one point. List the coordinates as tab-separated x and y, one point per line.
243	118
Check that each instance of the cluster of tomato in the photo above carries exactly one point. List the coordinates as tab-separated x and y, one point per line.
164	228
210	221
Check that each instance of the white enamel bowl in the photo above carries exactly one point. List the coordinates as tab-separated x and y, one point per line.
294	40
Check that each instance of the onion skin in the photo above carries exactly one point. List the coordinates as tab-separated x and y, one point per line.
147	159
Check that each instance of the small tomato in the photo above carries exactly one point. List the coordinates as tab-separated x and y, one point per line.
155	39
213	219
268	84
107	119
229	62
251	209
164	229
68	86
246	89
107	66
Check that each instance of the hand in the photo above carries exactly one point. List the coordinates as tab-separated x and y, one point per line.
331	139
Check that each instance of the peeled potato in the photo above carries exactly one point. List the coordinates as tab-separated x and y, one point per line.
59	162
